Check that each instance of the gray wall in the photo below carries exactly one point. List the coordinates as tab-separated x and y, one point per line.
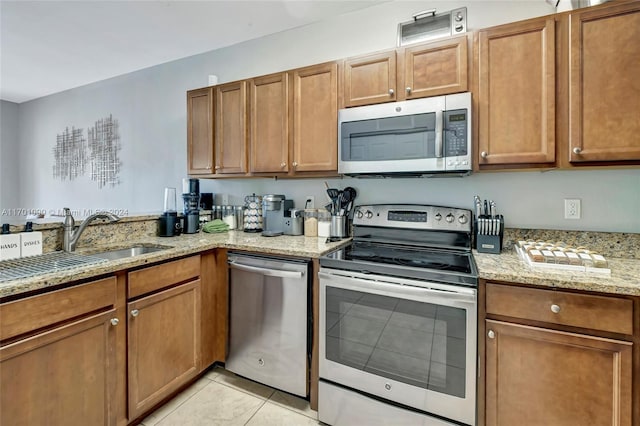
9	159
150	107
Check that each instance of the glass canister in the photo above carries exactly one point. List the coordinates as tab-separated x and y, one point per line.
229	216
310	222
324	223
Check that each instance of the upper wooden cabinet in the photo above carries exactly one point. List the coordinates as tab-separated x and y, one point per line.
369	79
200	131
268	106
417	71
314	137
516	93
604	93
231	128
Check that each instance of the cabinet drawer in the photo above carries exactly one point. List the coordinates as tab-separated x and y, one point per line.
36	312
157	277
611	314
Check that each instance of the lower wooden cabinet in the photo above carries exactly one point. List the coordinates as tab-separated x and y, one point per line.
64	376
536	376
163	344
554	357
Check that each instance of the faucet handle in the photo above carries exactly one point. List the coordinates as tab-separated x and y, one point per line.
68	218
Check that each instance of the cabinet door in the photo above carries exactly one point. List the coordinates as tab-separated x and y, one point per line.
269	133
65	376
370	79
231	128
164	344
516	93
432	69
604	98
536	376
200	131
315	119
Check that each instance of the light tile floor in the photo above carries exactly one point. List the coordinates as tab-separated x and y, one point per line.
222	398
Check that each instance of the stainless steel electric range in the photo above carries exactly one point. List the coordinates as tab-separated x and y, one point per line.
398	321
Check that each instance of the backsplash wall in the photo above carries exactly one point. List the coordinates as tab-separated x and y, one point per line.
150	106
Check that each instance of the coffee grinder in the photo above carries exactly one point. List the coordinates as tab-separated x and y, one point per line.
191	198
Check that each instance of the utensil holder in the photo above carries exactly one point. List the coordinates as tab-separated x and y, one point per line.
489	234
338	226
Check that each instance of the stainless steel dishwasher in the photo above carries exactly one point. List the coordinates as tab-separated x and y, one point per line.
269	321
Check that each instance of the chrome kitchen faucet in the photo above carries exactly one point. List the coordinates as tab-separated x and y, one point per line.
72	234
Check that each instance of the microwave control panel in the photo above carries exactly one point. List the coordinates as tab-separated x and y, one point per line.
455	133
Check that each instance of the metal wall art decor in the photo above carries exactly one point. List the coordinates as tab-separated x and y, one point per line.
69	154
104	144
73	154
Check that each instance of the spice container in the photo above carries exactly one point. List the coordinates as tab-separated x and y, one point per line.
548	256
239	211
536	256
310	223
324	224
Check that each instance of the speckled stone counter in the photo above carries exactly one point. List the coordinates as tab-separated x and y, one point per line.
509	267
622	252
182	245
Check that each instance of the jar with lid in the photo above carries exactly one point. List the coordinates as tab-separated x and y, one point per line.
324	224
229	216
310	222
217	212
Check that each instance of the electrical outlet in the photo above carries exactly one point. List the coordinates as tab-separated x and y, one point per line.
572	208
225	199
310	201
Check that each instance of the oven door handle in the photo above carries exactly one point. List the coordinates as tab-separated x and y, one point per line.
459	294
266	271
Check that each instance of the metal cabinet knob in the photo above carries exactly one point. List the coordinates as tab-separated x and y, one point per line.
283	165
391	92
577	150
114	321
408	89
218	167
491	334
484	154
135	313
294	164
555	309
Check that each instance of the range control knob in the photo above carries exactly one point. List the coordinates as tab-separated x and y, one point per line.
449	218
438	217
359	214
463	219
369	214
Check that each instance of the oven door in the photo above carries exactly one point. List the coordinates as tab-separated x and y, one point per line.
406	341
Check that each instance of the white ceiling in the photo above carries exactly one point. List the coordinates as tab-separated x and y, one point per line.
51	46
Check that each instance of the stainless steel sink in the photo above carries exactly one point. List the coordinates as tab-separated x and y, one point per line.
127	252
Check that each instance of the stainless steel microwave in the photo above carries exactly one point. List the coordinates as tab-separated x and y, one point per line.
416	137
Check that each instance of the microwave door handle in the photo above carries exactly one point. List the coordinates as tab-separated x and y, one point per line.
439	133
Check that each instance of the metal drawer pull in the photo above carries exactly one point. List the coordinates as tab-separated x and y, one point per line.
114	321
491	334
391	92
484	154
408	90
555	309
135	313
577	150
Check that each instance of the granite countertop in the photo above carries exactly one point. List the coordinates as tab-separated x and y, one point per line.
507	267
182	245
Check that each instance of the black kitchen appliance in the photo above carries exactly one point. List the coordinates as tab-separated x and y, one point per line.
398	319
169	224
191	198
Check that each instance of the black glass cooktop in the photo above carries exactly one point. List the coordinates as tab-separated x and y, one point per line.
442	265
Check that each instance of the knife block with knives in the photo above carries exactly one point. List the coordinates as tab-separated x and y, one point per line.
489	227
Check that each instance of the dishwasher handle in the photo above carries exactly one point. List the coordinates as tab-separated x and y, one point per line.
266	271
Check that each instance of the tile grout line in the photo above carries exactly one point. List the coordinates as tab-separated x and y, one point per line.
256	412
179	405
